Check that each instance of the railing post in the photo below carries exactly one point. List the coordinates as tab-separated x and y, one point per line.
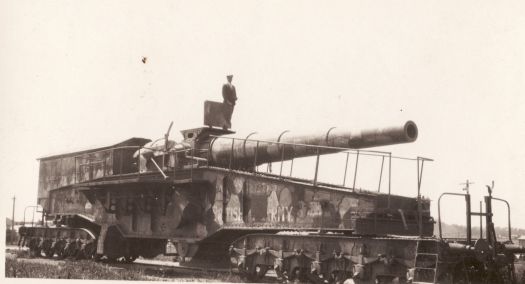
282	161
291	165
24	216
191	168
389	178
76	170
419	213
481	220
346	168
163	160
355	171
255	166
138	163
316	167
381	174
104	169
121	161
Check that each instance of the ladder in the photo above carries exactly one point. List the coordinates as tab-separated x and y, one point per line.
426	262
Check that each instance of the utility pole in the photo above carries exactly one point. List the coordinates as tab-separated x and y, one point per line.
13	215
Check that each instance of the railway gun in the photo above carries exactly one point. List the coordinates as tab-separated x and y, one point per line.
218	199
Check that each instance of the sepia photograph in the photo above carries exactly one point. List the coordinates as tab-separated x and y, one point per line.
253	141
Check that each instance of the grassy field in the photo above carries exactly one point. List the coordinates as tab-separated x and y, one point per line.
16	268
19	266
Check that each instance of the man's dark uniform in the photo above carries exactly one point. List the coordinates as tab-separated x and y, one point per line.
230	97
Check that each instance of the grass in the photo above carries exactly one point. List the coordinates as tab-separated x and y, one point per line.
14	268
20	266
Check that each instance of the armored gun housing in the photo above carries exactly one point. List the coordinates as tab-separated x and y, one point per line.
206	199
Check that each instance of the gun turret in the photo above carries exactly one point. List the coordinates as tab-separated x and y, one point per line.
247	152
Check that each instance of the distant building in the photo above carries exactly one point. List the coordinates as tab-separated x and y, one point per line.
521	240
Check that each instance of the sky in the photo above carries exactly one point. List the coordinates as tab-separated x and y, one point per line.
72	78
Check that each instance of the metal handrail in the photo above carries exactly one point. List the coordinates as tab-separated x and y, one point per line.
317	148
508	215
92	160
35	208
439	209
358	152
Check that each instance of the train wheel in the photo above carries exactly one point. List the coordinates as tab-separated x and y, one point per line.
182	250
469	272
339	277
257	273
281	274
33	247
89	250
46	248
298	275
50	252
130	258
59	249
349	281
316	278
71	250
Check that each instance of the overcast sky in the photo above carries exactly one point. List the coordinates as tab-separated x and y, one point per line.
71	77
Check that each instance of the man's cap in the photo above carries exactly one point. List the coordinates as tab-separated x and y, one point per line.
229	75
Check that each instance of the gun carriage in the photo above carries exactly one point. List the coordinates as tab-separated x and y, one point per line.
208	198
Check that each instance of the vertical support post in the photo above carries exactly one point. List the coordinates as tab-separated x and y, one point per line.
282	161
419	207
43	217
291	166
138	163
191	166
13	215
418	201
389	178
488	218
255	166
481	220
355	171
76	171
381	174
164	160
469	215
104	167
316	167
346	168
176	161
121	160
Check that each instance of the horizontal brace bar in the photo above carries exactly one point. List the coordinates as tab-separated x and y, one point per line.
480	214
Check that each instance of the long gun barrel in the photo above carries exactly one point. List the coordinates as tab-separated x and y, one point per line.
238	152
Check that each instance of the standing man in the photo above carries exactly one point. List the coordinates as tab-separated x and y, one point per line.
230	97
